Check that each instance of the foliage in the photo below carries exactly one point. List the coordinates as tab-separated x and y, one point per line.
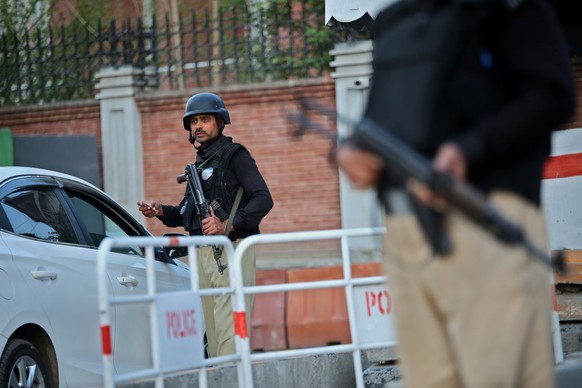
44	59
311	39
22	15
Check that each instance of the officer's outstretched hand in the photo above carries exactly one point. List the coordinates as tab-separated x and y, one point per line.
150	208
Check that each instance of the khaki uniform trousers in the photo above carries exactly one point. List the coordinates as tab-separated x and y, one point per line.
479	317
218	318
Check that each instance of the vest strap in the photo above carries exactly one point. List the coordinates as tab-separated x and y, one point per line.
218	252
234	209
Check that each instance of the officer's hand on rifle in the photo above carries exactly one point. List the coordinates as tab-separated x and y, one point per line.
213	225
448	159
362	168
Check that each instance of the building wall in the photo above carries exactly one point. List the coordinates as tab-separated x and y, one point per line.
61	119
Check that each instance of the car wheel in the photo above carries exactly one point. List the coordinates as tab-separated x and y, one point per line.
21	366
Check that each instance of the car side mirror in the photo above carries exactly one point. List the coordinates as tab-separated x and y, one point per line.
175	252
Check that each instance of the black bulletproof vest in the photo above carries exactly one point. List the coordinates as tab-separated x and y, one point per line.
213	173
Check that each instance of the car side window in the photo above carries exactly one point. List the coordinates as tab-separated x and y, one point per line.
38	214
100	225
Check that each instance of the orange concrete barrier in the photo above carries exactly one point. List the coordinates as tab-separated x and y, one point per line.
319	317
573	259
268	330
568	297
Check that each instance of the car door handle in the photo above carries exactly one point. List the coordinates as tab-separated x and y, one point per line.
43	275
127	281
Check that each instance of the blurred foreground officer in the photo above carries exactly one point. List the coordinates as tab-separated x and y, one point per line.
229	175
480	316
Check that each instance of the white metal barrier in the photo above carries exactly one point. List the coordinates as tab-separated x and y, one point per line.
243	356
194	343
243	340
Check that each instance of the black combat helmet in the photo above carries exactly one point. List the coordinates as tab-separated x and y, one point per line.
202	103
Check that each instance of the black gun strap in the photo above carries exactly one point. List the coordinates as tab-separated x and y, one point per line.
218	252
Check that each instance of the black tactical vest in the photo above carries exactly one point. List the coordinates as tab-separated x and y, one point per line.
212	172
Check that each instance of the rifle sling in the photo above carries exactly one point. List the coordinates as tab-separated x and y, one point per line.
233	210
218	252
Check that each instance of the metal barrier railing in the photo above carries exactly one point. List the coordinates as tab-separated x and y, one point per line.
158	371
243	356
243	340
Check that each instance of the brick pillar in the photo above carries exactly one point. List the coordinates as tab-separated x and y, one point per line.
121	135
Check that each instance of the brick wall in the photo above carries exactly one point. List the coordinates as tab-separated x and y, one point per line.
62	119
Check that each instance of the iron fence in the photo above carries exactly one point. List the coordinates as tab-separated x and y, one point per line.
282	40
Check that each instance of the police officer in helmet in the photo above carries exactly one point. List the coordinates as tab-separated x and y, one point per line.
229	175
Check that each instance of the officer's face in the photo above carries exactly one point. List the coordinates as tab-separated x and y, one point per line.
204	127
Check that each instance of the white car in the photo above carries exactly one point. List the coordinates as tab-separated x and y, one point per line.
51	225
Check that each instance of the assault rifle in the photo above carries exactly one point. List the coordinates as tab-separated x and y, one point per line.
191	177
402	163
